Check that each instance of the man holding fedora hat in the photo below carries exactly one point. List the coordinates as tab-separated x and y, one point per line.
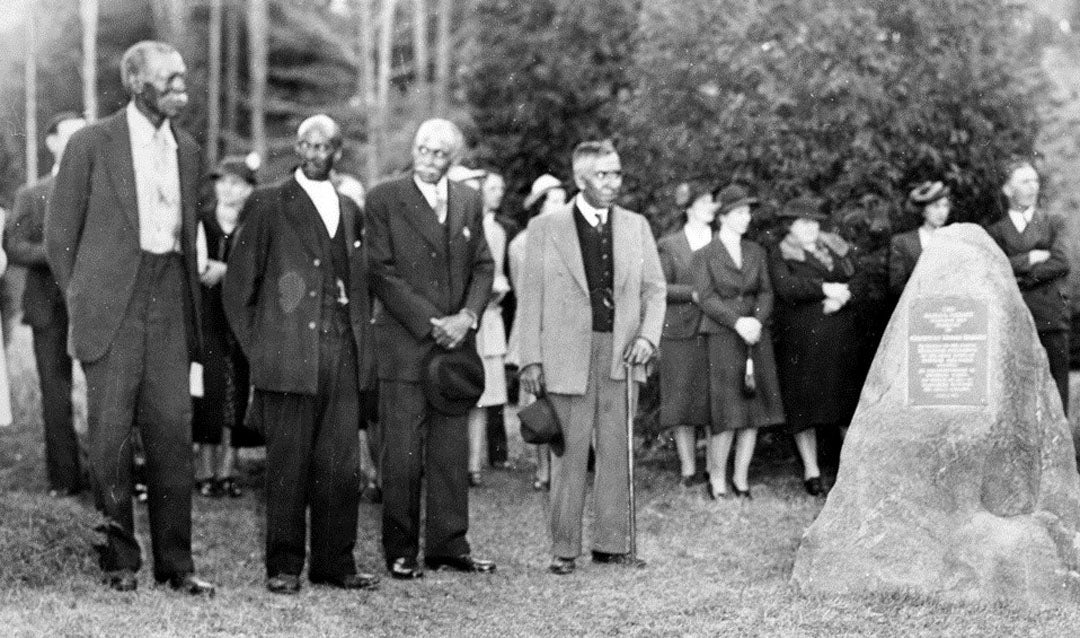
431	274
591	302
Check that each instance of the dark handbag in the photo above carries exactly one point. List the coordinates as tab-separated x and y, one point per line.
749	385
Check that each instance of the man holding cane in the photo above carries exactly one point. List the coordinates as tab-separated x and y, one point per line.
592	301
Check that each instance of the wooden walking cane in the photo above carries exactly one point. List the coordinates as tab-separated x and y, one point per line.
630	459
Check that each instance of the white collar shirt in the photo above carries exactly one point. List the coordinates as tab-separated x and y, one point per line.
1021	218
434	194
732	241
157	182
324	197
592	214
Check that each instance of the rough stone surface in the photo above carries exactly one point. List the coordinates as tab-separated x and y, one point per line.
964	503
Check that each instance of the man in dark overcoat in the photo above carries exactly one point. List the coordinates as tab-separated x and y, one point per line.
296	296
45	313
1036	243
431	272
120	239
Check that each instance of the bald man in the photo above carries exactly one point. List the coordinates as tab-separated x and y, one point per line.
296	296
431	272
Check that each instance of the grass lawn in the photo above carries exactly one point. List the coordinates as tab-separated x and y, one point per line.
715	569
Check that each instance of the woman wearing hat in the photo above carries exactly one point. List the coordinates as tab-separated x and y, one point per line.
817	334
219	413
731	278
547	195
684	363
931	199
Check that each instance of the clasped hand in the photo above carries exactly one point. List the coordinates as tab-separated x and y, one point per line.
749	329
1038	256
449	331
214	273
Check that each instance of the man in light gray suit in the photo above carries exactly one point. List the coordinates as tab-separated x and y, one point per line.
592	299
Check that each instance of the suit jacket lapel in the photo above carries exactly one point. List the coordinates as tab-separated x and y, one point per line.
623	246
121	166
187	162
455	214
564	234
301	214
420	215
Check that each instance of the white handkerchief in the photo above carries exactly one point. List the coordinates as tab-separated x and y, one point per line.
195	380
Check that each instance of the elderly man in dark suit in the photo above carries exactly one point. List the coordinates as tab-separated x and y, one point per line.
44	312
120	239
296	295
1036	244
592	301
431	273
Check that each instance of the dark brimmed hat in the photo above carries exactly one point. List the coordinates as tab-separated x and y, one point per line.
237	165
540	425
802	207
733	196
454	379
928	193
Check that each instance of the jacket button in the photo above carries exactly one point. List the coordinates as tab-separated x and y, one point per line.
433	254
311	325
311	294
317	263
356	244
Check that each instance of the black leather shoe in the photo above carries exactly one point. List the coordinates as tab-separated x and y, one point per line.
191	585
349	581
743	494
463	563
561	566
283	584
616	559
405	569
814	486
121	580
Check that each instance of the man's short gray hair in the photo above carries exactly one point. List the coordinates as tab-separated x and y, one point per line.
591	150
438	127
324	123
133	63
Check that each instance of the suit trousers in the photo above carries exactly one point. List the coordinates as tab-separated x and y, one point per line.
1056	344
142	380
600	415
54	375
420	443
313	462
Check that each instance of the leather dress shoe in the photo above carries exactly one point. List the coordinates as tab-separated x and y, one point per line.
561	566
191	585
463	563
745	494
813	486
283	584
617	559
121	580
348	581
405	569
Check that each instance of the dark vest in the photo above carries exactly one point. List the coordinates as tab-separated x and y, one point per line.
598	259
335	256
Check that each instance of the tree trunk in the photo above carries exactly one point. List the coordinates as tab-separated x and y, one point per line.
258	20
213	84
442	57
232	64
31	93
421	54
367	87
169	21
382	96
88	14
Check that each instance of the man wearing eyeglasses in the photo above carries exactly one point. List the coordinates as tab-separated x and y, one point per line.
296	295
431	273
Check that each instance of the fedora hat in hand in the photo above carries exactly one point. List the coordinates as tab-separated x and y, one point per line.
454	379
540	425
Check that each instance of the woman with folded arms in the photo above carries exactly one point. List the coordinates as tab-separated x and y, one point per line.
731	278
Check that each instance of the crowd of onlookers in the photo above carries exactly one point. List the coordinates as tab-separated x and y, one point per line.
371	332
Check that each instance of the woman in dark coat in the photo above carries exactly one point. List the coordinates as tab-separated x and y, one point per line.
684	360
932	201
218	415
816	331
732	280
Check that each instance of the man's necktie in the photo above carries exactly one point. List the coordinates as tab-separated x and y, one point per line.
440	208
